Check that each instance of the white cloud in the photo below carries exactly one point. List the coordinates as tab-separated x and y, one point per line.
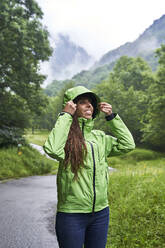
100	25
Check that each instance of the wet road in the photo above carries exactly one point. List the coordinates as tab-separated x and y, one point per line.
27	213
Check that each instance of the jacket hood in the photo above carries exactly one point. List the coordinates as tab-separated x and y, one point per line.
73	93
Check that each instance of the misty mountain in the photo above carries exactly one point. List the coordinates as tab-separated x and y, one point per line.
143	46
68	58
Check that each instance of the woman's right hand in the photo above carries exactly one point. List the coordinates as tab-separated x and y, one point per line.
70	107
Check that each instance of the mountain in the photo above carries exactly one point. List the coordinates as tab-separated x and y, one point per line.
68	58
143	46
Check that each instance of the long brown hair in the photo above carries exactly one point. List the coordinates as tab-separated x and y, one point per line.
75	148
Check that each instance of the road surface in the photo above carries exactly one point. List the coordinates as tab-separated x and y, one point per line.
27	213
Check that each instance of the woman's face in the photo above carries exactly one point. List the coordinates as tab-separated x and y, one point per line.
84	108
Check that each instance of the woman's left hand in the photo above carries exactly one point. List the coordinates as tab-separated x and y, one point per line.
105	108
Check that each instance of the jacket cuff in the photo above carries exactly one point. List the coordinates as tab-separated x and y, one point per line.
110	117
63	112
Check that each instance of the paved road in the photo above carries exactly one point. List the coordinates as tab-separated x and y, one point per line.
27	213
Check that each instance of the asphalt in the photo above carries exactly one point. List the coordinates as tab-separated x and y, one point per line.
27	213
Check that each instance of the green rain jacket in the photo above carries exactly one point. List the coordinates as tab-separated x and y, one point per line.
89	192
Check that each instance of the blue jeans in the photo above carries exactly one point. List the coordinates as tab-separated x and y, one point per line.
74	230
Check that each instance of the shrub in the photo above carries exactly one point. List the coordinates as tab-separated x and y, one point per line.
11	136
141	154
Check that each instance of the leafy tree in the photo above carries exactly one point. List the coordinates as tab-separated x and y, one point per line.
129	104
154	131
18	114
55	87
23	45
126	89
54	107
132	72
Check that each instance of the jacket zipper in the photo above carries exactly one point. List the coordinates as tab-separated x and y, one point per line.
94	175
83	124
94	169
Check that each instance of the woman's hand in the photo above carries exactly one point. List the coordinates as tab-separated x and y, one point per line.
70	107
105	108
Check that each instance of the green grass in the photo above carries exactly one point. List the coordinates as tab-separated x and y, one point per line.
137	201
29	163
38	137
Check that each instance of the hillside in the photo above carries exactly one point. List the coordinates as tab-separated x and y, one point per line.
88	78
143	46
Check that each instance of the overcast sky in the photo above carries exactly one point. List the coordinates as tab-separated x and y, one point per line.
100	25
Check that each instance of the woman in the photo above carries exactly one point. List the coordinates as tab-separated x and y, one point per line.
82	180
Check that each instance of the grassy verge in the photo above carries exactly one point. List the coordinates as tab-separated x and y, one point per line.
38	137
29	163
137	201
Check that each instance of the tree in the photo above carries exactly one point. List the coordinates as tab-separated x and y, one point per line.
154	131
23	45
134	72
49	116
126	89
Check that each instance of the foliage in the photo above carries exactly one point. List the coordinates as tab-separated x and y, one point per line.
54	107
126	89
23	45
154	132
11	135
92	77
136	94
29	163
38	137
135	157
55	87
14	111
86	78
132	72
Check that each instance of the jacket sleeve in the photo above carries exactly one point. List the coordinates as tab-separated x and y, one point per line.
54	145
122	142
